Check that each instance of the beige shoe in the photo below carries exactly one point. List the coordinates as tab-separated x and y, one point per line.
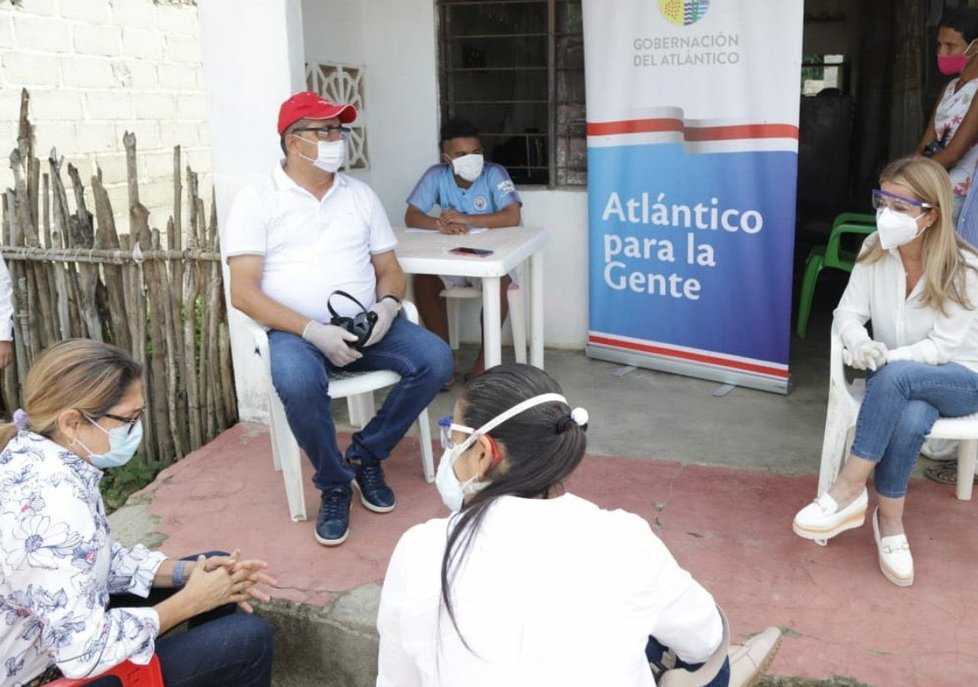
749	661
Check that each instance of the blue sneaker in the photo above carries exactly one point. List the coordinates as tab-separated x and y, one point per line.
375	495
333	522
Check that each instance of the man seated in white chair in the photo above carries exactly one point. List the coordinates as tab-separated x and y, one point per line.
471	193
293	238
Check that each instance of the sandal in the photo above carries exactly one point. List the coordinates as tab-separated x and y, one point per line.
945	473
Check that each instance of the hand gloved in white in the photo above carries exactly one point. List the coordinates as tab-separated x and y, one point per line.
901	353
332	342
386	310
865	355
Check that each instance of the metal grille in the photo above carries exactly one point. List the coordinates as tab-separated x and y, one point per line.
343	84
515	69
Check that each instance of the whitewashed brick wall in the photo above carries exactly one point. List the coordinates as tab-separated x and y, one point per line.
96	69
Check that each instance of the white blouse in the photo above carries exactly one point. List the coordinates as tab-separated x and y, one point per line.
910	330
58	567
552	592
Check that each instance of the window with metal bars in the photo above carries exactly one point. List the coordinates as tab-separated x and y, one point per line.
515	69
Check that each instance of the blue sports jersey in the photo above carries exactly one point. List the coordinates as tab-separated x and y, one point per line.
490	192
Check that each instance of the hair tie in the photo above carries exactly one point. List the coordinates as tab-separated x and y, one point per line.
20	419
578	416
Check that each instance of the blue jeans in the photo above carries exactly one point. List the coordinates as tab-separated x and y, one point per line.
654	651
300	374
903	401
221	648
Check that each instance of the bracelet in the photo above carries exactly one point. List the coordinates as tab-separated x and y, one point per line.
393	298
177	578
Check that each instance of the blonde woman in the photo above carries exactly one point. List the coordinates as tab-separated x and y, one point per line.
70	596
917	283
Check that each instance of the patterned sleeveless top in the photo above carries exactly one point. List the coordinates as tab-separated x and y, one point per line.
947	118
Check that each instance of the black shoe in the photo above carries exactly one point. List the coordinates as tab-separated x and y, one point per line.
333	522
375	495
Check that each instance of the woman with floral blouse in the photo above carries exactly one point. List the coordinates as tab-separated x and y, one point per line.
74	602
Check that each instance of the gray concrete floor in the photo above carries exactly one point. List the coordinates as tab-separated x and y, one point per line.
656	415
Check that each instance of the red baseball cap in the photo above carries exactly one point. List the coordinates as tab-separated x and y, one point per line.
309	105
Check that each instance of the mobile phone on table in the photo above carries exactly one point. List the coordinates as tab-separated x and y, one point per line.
463	250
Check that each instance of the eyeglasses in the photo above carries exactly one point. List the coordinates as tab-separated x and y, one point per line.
325	133
446	426
883	199
131	421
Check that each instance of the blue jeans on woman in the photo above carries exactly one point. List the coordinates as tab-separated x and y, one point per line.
903	401
221	648
654	652
300	374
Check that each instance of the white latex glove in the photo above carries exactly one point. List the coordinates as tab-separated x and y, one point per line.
386	310
332	342
865	355
902	353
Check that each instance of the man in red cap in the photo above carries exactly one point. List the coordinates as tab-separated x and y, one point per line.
293	239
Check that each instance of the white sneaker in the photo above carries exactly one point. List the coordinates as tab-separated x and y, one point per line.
822	519
750	660
896	561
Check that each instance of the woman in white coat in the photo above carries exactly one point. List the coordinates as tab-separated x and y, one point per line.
527	584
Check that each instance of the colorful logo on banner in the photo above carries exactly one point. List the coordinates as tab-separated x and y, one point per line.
683	12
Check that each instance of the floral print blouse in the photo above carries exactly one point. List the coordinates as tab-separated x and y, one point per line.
59	565
948	116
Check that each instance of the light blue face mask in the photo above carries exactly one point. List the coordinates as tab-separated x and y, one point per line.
123	443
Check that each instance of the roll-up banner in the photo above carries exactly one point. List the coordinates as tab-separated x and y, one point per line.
692	134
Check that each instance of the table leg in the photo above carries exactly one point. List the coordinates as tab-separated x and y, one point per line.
491	336
536	309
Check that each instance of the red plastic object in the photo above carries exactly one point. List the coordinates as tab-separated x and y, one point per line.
129	673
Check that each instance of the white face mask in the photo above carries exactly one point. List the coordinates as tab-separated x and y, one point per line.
469	167
331	155
123	443
896	228
452	490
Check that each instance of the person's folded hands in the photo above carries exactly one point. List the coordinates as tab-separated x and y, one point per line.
866	355
333	342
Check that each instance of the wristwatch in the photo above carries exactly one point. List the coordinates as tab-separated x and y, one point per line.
393	298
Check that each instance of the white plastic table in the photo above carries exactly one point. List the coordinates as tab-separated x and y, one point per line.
426	252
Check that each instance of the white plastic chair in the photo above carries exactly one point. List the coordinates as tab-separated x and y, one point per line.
357	388
840	428
517	314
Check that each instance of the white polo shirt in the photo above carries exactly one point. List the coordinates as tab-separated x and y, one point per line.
311	247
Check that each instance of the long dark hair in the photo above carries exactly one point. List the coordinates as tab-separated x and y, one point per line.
542	447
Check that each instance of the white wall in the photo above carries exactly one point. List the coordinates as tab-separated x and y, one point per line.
252	63
96	69
402	100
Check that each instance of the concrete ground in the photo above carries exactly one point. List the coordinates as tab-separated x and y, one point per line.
719	478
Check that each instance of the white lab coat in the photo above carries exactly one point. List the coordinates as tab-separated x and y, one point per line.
552	592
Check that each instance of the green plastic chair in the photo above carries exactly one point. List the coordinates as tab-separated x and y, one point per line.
830	255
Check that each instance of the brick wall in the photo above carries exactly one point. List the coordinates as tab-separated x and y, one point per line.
96	69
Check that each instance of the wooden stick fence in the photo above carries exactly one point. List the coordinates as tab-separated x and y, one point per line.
74	275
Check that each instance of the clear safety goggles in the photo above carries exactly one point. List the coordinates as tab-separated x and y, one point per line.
446	426
898	204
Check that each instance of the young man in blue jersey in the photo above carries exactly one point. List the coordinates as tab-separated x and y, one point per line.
469	193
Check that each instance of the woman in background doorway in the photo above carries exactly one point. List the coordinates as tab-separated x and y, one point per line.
951	135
